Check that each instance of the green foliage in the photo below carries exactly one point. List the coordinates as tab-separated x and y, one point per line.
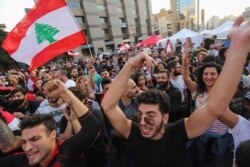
4	57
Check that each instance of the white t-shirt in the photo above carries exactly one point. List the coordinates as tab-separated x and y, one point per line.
30	85
240	132
179	83
69	83
55	112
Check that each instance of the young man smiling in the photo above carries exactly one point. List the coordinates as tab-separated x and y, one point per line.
38	135
152	142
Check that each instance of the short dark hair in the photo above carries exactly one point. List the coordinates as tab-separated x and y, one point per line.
154	96
164	71
242	154
208	59
38	119
171	64
106	81
104	70
72	68
63	72
78	93
16	90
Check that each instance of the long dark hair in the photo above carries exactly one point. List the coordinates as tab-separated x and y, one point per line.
199	75
136	76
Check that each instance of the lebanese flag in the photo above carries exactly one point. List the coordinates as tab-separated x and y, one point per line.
48	30
124	47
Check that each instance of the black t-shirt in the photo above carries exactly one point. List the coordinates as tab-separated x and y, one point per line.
96	155
169	151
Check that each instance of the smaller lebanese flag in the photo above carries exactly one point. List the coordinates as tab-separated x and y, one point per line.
124	47
73	53
48	30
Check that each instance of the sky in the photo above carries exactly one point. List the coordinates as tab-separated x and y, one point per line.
12	11
219	8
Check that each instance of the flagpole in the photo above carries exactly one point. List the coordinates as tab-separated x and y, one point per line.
89	49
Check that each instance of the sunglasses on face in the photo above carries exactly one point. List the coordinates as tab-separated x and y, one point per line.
147	119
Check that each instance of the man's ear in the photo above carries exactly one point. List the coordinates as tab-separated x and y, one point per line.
165	118
125	92
53	135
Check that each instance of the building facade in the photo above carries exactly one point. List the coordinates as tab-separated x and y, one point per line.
246	13
187	13
166	23
213	22
109	23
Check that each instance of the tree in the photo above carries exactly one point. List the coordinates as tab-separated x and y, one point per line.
45	32
4	57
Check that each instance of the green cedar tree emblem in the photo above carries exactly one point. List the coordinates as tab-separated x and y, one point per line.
45	32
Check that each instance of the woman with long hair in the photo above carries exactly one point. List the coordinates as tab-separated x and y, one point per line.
83	84
140	80
212	147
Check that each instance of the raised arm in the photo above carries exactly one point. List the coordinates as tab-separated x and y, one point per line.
88	127
111	98
190	84
73	124
55	88
229	118
221	93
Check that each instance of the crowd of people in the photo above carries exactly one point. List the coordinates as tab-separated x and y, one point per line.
154	106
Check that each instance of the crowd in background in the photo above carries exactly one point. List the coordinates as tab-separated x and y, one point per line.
186	81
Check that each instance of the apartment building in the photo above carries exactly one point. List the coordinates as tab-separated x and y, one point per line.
109	23
166	23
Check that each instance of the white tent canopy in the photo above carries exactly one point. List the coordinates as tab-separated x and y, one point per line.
222	30
204	32
182	35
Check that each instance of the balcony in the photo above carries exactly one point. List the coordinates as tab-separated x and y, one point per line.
103	14
104	25
106	37
123	25
77	12
121	15
125	35
83	25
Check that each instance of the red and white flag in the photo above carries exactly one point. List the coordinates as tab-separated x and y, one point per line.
48	30
73	53
124	47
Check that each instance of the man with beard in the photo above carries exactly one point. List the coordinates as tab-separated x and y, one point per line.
21	107
52	106
173	93
61	74
176	78
155	143
74	73
129	105
164	84
105	73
